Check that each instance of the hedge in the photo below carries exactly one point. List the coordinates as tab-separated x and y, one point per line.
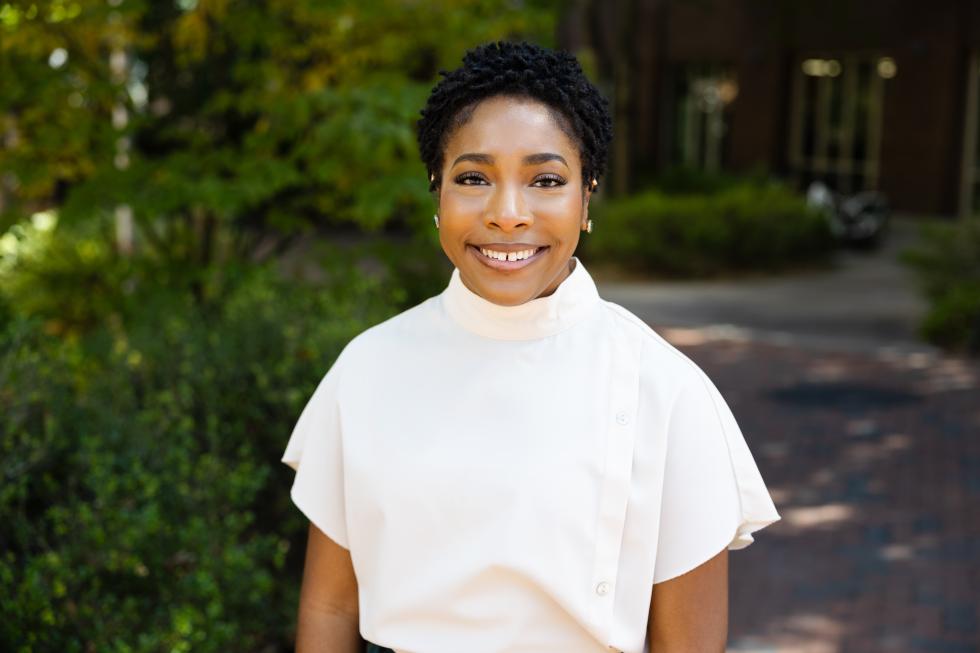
948	265
746	227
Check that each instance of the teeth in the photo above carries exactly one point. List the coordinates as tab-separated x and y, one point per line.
509	256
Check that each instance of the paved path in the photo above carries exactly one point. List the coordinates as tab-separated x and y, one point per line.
874	465
869	442
868	301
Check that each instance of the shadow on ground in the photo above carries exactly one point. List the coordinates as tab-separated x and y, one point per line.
874	465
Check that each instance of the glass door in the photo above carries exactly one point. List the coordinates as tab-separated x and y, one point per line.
835	126
703	93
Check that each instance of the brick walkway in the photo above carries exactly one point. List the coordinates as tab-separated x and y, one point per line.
874	464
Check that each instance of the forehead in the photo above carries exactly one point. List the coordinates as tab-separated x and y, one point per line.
504	124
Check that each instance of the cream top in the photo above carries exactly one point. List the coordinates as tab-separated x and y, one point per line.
513	479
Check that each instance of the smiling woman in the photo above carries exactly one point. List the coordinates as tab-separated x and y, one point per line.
516	464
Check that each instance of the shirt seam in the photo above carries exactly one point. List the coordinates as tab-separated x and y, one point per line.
624	315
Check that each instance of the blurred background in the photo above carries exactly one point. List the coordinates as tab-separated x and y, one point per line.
203	201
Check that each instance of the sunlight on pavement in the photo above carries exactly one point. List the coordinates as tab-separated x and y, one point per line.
800	633
827	515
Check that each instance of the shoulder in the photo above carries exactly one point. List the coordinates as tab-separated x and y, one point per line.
398	333
668	377
657	355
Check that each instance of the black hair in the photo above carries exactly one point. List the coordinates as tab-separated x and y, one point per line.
521	69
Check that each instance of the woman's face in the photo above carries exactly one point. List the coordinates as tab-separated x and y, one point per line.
511	188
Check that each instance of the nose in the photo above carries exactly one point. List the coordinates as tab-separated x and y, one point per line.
507	208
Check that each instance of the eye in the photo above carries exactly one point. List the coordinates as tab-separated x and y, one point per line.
470	179
549	181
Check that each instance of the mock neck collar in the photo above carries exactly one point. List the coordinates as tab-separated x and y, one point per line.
572	301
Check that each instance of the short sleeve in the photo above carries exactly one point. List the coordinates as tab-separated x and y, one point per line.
713	495
315	451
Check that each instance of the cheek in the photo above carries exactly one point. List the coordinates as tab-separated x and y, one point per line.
458	218
455	206
560	210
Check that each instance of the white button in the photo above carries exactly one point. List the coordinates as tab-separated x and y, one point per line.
602	588
623	418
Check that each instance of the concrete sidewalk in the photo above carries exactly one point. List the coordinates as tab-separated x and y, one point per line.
868	301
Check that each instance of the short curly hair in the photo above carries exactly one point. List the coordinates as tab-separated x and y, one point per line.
520	69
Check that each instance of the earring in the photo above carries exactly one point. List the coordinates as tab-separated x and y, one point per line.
436	219
588	226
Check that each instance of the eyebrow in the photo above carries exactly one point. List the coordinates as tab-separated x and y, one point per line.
530	159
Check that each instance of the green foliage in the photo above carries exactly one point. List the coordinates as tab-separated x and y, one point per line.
948	265
70	279
745	227
55	123
685	180
142	504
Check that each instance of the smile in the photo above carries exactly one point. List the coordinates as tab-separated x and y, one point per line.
507	260
509	256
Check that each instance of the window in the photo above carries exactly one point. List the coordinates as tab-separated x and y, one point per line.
970	180
703	93
835	129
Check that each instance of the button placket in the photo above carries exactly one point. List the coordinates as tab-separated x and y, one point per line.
616	480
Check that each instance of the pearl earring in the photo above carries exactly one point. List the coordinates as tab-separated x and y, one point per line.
588	226
436	219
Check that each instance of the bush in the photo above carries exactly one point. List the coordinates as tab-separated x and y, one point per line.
948	264
142	504
684	180
70	278
745	227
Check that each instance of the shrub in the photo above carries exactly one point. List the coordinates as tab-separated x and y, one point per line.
70	278
684	180
142	504
745	227
948	265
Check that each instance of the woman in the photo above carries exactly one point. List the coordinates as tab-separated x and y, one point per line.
516	464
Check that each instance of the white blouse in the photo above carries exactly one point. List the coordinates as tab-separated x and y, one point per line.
514	479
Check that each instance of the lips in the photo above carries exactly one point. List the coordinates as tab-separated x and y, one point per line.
511	256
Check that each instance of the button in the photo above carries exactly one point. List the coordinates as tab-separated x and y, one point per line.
602	588
622	417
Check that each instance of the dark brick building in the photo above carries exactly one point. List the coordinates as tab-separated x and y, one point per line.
876	94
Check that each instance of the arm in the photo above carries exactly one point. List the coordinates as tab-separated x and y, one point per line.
328	609
689	613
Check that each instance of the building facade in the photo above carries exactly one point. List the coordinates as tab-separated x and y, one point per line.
869	94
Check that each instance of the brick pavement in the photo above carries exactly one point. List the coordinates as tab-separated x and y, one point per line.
874	464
